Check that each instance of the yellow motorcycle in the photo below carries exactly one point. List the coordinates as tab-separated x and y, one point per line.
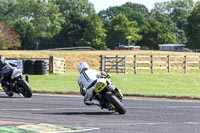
109	99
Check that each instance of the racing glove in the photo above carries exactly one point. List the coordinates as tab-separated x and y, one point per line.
82	91
105	75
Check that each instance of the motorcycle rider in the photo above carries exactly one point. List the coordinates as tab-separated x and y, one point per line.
6	70
87	82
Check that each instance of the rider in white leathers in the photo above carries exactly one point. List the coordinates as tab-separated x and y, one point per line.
87	82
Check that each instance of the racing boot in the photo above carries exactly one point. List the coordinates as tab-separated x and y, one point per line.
92	102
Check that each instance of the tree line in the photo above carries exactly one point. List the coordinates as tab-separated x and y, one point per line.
46	24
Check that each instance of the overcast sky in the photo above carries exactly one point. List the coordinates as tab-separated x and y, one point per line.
104	4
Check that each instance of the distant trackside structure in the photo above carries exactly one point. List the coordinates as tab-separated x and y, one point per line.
172	47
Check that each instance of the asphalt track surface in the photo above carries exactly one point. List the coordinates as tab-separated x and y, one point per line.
143	115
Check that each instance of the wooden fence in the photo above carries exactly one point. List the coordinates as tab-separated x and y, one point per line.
116	64
121	64
57	65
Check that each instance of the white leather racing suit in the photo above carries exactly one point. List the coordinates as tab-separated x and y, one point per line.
87	81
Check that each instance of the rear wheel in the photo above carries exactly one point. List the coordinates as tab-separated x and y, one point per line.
24	88
119	107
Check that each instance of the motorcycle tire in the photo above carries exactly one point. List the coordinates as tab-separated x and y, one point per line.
111	98
25	89
9	93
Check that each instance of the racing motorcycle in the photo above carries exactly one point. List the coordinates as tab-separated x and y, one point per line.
17	84
110	99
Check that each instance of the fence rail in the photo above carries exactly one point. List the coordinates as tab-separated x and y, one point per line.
121	64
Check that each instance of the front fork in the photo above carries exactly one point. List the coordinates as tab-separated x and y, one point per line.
117	92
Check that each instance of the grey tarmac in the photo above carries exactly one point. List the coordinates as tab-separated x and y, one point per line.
64	113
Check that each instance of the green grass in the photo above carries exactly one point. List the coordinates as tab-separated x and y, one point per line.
55	82
160	84
143	83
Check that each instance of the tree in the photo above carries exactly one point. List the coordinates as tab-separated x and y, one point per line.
119	29
156	33
75	32
133	12
142	9
40	20
82	7
47	20
7	8
165	19
177	11
8	38
193	28
25	30
95	34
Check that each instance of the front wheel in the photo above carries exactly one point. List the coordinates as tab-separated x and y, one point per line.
114	101
24	88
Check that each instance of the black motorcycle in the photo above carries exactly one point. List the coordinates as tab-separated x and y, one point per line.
17	84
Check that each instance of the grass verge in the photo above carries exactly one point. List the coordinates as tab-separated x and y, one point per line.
159	84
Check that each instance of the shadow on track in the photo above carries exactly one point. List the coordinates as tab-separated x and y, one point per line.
10	97
81	113
4	97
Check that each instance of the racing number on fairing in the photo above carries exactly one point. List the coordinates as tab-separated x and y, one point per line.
100	86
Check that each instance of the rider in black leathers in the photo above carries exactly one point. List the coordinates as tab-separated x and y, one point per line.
6	70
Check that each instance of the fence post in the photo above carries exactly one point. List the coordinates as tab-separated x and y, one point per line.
51	64
102	63
199	62
135	64
185	63
152	64
125	65
168	62
116	64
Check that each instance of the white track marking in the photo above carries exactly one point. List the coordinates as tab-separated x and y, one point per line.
192	123
140	123
130	124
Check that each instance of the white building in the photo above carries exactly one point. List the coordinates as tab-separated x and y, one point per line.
172	47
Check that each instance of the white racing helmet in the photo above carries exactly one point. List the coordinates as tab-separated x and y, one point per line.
82	66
